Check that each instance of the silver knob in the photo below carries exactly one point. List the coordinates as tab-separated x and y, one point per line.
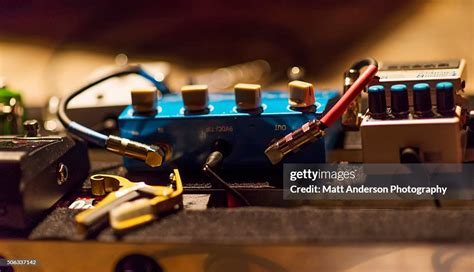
31	127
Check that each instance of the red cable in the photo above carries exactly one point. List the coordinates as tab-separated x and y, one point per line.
343	103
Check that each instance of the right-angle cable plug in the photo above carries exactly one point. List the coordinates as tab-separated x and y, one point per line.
309	132
152	155
314	129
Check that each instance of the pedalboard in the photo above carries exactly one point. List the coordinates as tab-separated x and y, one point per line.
246	121
36	172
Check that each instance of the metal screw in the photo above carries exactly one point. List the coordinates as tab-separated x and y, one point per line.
63	174
172	179
31	127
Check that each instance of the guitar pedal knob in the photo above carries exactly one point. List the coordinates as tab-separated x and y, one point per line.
248	97
144	101
445	98
422	99
399	100
377	103
301	94
195	98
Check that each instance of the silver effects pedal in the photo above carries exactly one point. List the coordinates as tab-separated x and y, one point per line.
416	113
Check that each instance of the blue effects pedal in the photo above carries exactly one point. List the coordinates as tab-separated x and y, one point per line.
192	134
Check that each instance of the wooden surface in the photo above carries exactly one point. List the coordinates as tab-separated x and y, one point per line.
91	256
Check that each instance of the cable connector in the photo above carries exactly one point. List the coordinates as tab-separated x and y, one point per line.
214	160
152	155
314	129
309	132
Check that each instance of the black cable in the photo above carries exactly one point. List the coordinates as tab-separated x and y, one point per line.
213	160
226	186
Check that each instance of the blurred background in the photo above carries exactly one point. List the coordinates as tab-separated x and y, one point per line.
51	47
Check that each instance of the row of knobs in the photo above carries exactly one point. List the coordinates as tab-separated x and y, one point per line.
445	104
248	97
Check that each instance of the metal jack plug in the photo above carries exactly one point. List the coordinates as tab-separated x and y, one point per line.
309	132
314	129
152	155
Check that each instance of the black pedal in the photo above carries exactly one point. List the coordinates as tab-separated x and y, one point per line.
35	173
